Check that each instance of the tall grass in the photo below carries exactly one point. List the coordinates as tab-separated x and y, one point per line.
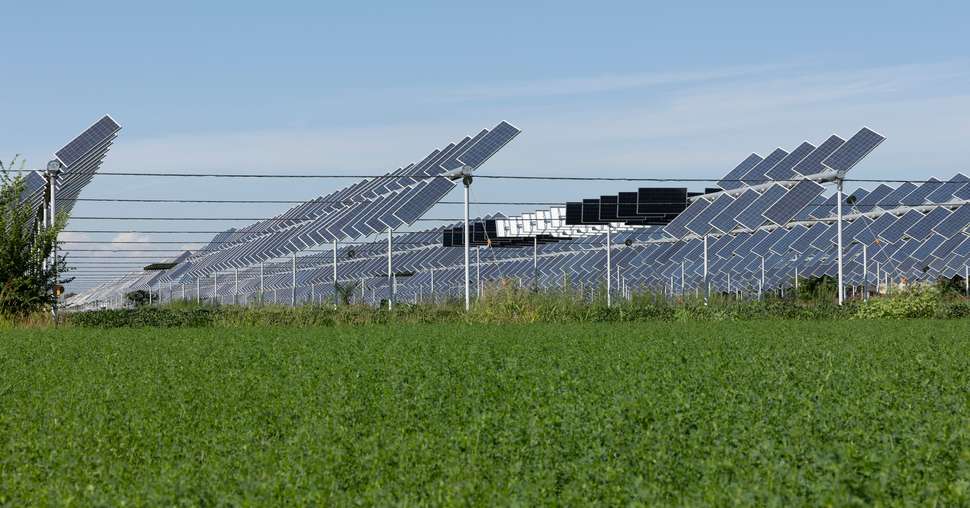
514	304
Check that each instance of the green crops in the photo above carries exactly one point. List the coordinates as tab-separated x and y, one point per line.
757	413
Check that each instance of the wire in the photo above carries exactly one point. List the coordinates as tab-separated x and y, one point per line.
265	219
295	202
490	177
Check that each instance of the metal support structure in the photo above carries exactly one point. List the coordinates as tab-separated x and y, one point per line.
609	266
865	273
761	282
966	279
707	284
53	172
293	280
478	272
683	278
198	290
467	181
261	295
535	262
432	287
838	233
336	297
235	294
390	270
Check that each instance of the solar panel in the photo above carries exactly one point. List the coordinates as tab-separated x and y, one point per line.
752	216
812	163
102	130
918	196
923	227
725	220
732	180
701	222
489	144
894	232
805	241
946	191
783	170
853	150
677	227
756	175
874	198
793	201
955	223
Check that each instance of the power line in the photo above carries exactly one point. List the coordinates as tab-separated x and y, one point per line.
490	177
263	219
296	202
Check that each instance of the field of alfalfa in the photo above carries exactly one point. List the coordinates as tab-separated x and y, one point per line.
766	412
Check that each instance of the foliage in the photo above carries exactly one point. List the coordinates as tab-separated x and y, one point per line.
915	302
768	413
26	282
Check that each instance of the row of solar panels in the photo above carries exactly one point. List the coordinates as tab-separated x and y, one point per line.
368	207
913	243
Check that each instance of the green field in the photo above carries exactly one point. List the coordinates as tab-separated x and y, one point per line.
765	412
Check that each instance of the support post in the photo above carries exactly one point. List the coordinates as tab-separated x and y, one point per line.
478	272
198	290
683	278
761	284
336	300
235	294
432	287
865	273
707	284
838	211
261	296
467	181
535	263
293	281
390	270
609	265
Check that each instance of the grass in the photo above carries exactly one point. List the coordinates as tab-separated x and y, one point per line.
765	413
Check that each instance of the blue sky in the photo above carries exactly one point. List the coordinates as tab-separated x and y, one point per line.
605	88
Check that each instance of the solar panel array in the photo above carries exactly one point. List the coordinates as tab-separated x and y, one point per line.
80	159
778	223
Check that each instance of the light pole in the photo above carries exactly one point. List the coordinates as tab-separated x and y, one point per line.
465	174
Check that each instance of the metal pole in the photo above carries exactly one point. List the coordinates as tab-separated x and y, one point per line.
966	279
215	287
683	276
432	287
261	283
390	270
761	287
54	171
149	294
235	295
183	291
707	284
865	273
839	237
336	301
478	272
467	182
609	266
198	290
293	279
535	262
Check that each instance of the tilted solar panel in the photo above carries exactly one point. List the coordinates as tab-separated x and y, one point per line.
853	150
812	163
732	180
783	170
793	201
